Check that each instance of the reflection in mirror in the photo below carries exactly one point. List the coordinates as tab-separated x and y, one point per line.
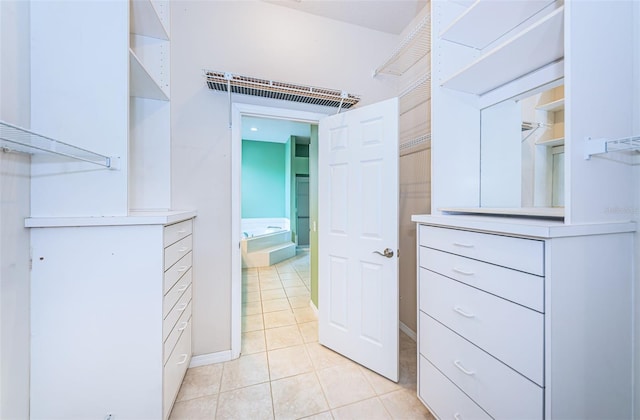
522	151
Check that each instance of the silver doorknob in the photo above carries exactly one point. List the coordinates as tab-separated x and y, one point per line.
386	253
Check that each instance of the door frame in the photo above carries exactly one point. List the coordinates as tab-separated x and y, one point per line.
239	110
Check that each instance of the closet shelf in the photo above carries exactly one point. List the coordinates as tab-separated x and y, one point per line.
559	141
146	21
515	58
142	84
477	27
14	138
416	45
416	94
604	145
407	147
552	106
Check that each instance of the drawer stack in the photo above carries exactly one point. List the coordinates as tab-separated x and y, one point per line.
481	324
176	325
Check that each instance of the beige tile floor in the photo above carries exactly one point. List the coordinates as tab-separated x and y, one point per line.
283	373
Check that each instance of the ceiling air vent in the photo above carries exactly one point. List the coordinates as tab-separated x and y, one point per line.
279	90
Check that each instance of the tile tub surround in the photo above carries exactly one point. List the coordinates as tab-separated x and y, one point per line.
284	373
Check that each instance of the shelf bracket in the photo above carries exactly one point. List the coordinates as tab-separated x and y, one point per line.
594	147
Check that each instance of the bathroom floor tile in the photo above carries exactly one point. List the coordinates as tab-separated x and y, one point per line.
252	308
344	384
252	402
298	396
244	371
273	294
281	337
250	297
323	358
253	342
270	284
252	323
404	404
274	305
297	291
305	314
299	301
288	361
203	408
309	331
371	409
200	382
279	319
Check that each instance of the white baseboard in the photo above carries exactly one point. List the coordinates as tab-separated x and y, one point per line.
412	334
315	309
211	358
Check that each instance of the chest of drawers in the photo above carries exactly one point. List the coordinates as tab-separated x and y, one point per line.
520	326
111	318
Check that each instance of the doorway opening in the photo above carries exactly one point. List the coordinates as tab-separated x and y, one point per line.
268	193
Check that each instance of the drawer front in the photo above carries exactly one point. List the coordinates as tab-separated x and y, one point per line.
520	254
510	332
516	286
175	293
176	313
176	332
175	252
443	398
173	233
483	378
179	269
175	369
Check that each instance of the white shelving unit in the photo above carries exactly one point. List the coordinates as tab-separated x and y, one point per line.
559	141
557	105
518	56
146	21
415	45
470	28
143	85
627	145
14	138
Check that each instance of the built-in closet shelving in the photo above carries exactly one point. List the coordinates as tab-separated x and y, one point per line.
534	45
414	46
628	146
409	65
14	138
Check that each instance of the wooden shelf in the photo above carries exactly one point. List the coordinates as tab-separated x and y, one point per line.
532	49
142	84
559	141
552	106
477	27
145	20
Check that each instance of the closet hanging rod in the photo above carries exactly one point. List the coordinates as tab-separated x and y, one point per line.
605	145
246	85
14	138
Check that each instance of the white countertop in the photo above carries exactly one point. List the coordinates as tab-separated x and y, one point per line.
134	218
538	228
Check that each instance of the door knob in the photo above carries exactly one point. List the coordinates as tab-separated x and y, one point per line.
386	253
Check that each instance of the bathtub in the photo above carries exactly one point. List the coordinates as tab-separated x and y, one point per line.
265	242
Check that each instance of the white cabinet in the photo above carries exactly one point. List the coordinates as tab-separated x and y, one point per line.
110	315
524	319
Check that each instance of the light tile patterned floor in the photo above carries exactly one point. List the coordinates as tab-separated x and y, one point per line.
284	373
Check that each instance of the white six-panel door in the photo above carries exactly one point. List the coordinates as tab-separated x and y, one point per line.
357	221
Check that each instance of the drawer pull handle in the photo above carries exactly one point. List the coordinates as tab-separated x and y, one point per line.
182	307
462	369
457	416
466	273
463	313
183	269
184	248
184	359
184	325
463	245
183	288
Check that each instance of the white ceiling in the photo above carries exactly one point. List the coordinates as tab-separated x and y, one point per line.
390	16
272	130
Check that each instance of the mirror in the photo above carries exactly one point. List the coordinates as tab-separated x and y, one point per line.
522	151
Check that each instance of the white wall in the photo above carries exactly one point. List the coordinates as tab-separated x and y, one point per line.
636	213
14	207
257	39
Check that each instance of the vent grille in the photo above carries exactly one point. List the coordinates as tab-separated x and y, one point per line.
245	85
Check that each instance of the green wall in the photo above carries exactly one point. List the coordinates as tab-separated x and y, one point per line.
264	179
